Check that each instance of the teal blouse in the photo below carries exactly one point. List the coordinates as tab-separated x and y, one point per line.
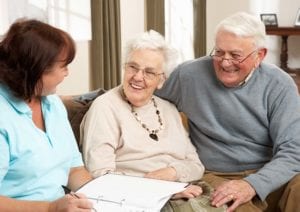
33	163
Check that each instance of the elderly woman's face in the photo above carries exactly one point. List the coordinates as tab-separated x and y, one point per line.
143	73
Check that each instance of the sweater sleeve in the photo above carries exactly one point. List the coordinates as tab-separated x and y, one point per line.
98	132
189	169
284	130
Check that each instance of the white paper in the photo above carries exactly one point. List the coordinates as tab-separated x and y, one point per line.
122	193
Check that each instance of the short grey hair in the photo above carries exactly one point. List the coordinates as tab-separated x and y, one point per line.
154	41
244	25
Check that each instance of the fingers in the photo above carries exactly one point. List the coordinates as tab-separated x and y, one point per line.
79	195
194	190
70	202
85	204
222	199
234	205
236	192
191	191
80	201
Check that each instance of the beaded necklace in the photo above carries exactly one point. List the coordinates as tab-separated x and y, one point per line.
152	133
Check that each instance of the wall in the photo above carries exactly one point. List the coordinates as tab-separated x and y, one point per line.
132	21
286	11
68	15
78	81
132	12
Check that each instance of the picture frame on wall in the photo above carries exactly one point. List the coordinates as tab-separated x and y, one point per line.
297	21
269	19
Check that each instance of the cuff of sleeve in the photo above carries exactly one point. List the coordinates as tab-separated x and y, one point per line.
181	172
258	187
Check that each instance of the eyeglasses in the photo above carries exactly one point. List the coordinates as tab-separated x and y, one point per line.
148	73
235	59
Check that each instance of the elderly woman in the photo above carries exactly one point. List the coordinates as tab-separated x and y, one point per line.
131	131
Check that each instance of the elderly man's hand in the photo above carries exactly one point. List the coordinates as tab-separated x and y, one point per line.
236	191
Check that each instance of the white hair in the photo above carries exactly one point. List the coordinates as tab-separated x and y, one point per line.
154	41
244	25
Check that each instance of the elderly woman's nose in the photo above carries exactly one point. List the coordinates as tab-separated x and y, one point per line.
139	74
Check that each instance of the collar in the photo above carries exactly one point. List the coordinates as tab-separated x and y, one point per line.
247	78
19	104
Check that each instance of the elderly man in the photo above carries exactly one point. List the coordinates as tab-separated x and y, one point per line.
244	119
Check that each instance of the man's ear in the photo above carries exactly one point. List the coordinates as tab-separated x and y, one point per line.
262	53
161	81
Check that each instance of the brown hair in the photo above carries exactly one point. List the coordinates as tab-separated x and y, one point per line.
28	49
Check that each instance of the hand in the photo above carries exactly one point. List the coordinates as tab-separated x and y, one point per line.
191	191
236	191
70	203
168	173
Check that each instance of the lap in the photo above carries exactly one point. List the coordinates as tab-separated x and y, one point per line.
215	179
198	204
284	199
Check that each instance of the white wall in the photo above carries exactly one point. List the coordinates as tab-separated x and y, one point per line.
286	11
78	81
132	21
132	12
68	15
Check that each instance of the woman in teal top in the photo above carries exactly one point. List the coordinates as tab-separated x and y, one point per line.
38	149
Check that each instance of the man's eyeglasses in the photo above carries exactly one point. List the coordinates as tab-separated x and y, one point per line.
148	73
235	59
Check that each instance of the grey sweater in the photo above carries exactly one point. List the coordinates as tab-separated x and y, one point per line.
254	126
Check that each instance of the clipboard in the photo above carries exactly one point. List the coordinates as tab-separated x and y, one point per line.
123	193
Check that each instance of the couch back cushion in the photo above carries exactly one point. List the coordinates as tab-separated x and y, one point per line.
77	106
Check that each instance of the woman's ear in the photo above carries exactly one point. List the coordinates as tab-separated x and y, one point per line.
161	81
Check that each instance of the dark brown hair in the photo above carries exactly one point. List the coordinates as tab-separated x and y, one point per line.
28	49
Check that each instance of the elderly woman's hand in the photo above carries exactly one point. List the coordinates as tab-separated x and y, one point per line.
191	191
168	173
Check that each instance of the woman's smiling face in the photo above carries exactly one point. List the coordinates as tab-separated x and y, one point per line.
138	85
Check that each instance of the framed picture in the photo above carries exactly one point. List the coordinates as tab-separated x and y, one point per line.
297	21
269	19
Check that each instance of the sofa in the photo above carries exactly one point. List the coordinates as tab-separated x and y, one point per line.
77	106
